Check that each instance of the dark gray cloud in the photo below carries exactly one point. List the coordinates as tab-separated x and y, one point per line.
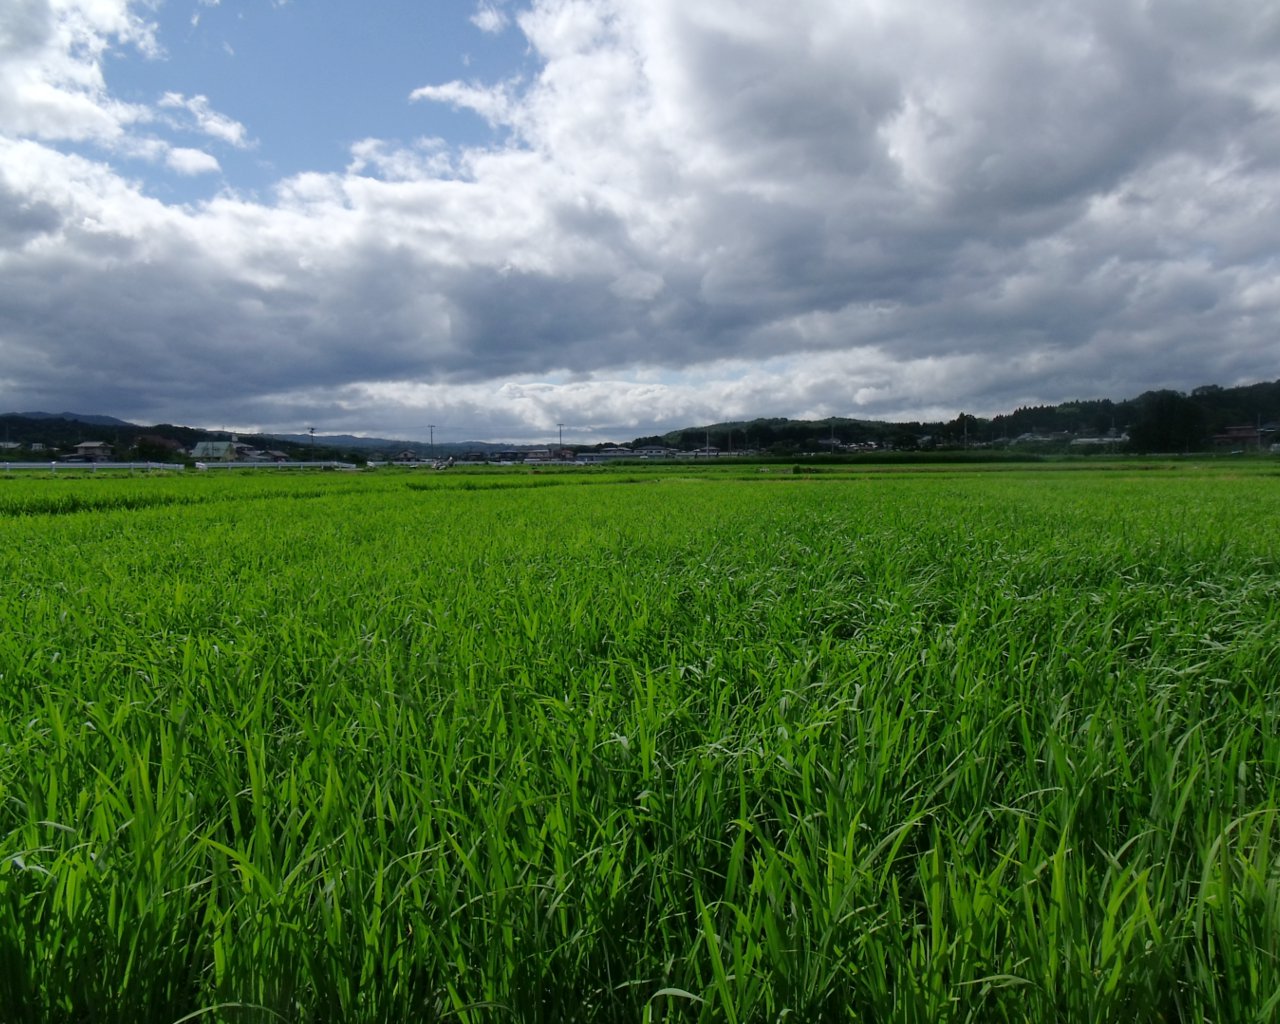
22	220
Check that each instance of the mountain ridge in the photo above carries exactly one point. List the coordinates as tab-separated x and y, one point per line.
1162	420
95	419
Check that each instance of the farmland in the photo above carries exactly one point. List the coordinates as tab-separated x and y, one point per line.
642	744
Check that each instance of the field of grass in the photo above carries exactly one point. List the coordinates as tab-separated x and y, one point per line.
642	745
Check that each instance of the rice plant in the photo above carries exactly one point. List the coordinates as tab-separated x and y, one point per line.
853	746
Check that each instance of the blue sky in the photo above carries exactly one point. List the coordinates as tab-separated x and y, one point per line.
309	78
630	215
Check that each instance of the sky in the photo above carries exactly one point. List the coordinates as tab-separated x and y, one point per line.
628	216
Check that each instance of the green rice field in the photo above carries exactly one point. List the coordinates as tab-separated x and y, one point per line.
654	744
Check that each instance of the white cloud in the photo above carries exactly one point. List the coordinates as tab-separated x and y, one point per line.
51	80
489	17
192	161
207	120
425	159
493	103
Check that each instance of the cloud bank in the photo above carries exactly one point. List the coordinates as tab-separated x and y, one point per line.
691	213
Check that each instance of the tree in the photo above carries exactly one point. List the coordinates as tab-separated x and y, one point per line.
1169	422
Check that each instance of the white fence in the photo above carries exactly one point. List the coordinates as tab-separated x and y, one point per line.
275	465
80	467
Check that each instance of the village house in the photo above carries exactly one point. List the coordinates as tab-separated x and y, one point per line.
248	453
214	451
606	454
93	451
1238	437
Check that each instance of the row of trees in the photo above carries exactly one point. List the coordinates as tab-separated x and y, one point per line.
1156	421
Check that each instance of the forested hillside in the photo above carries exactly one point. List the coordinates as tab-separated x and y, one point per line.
1155	421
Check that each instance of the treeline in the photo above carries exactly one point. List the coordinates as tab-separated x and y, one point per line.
1156	421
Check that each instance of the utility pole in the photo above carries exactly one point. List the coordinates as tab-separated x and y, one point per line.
313	443
432	427
561	426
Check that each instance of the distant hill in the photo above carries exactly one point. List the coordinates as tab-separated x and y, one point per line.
62	430
78	417
1156	421
344	440
58	433
391	445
